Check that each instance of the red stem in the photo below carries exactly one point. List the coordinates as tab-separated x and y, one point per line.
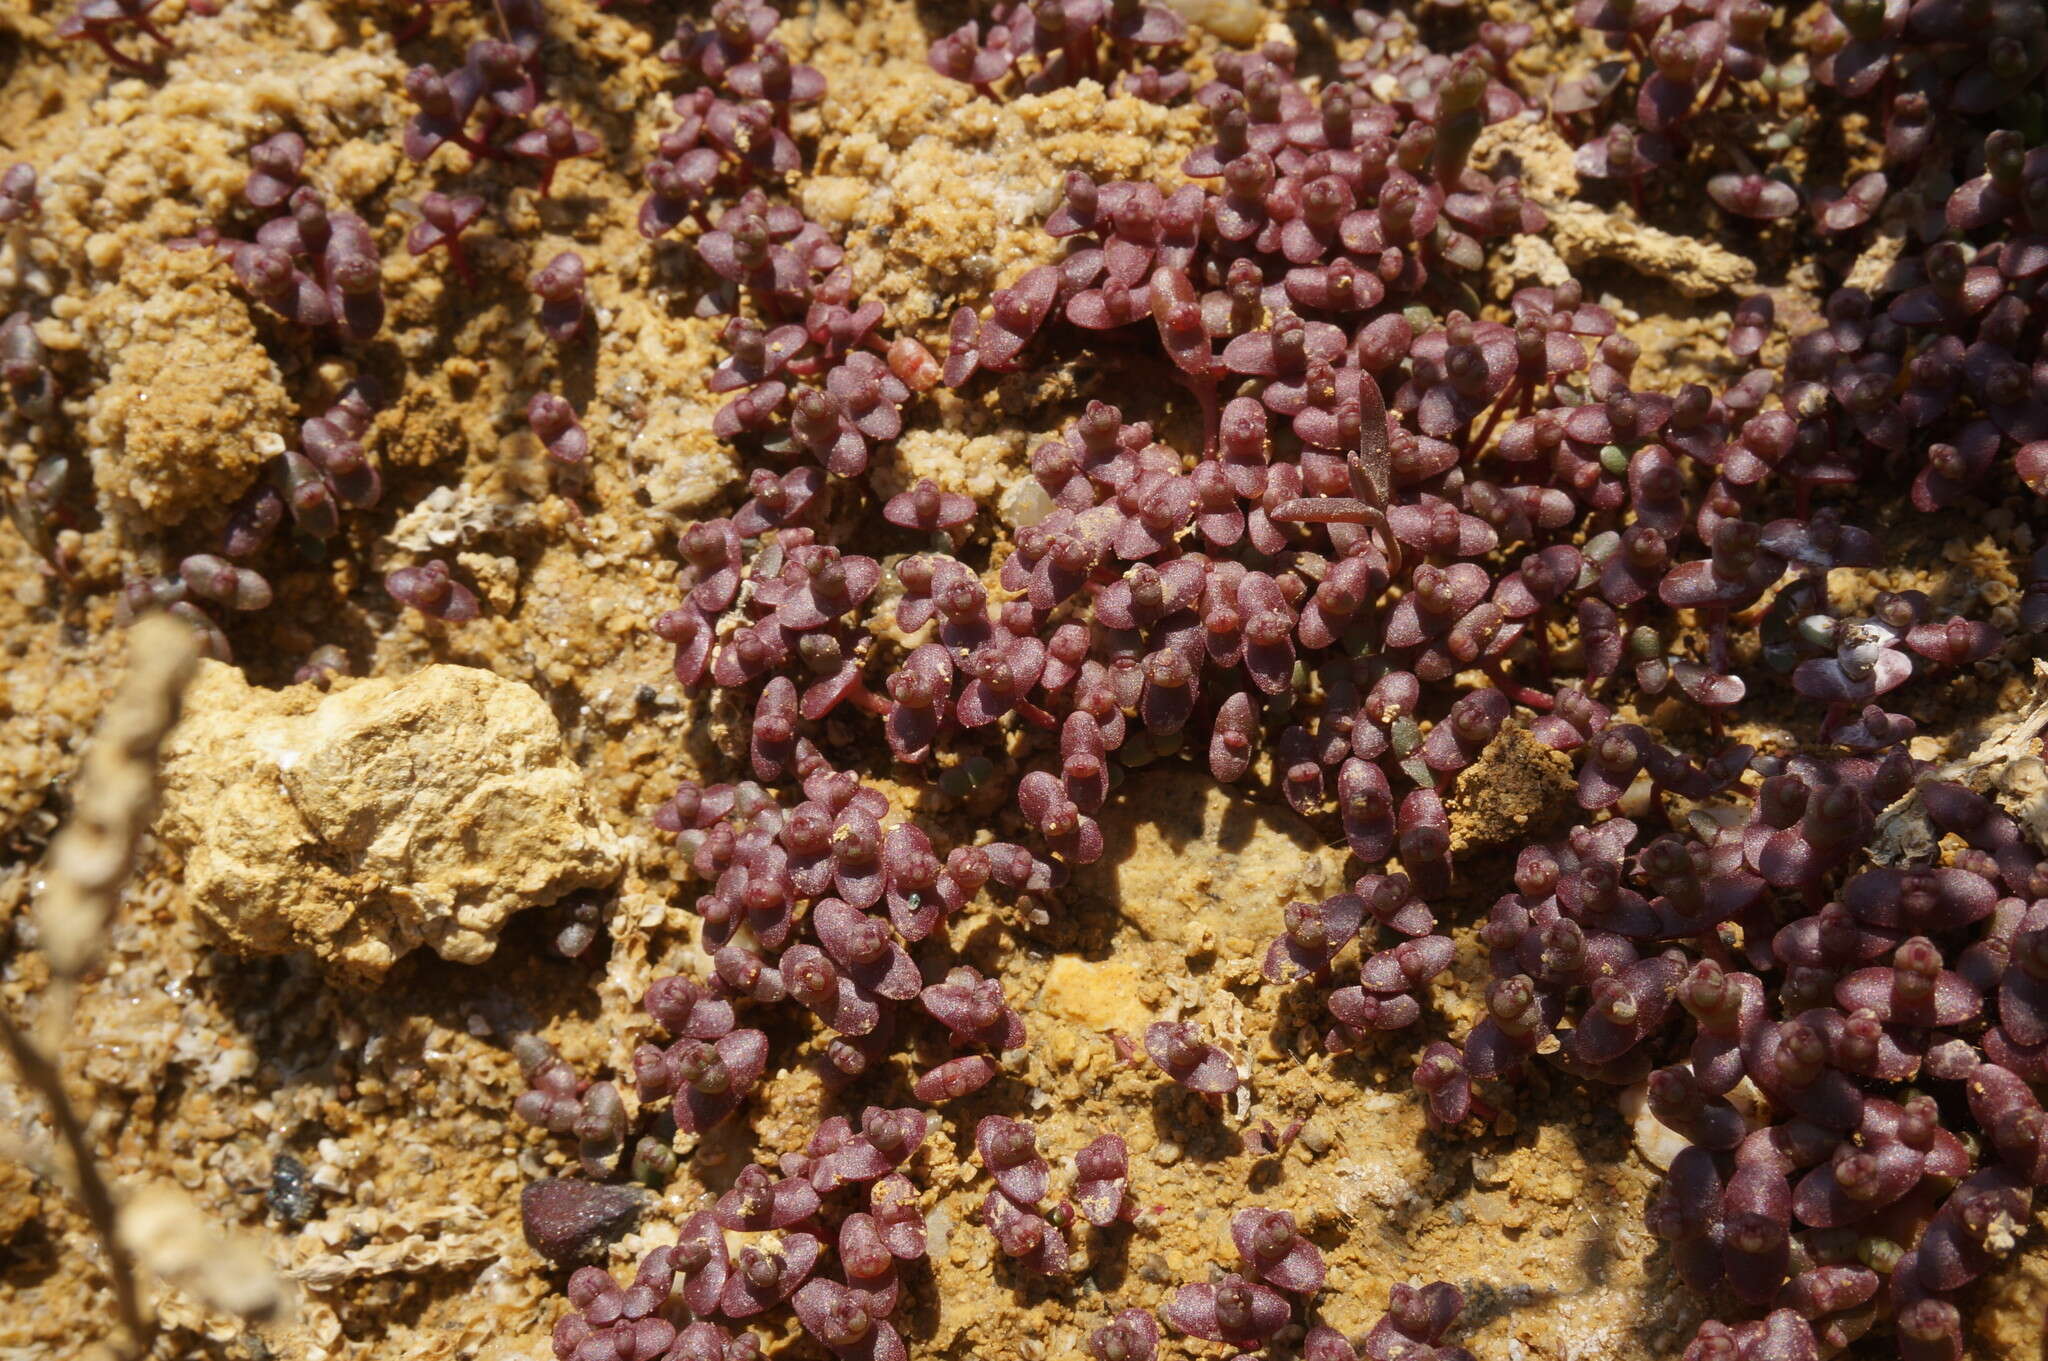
1204	390
868	700
1717	641
1523	695
116	57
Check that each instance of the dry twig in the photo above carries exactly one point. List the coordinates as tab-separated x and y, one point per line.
113	803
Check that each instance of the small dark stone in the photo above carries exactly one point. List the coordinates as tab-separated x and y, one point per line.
291	1196
566	1219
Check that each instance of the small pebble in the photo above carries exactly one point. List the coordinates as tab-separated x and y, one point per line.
566	1219
291	1195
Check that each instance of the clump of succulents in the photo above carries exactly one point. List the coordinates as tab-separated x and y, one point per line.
1361	572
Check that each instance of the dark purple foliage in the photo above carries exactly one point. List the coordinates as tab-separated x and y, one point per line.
1385	528
559	285
1183	1055
431	590
1243	1313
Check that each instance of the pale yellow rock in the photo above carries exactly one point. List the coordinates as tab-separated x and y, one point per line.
914	167
20	1205
1695	267
1234	21
1096	995
681	465
1188	861
383	815
225	1269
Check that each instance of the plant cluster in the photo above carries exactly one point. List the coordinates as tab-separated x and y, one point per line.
1064	41
844	1199
317	269
1408	526
1248	1313
1950	318
1014	1211
691	1301
490	108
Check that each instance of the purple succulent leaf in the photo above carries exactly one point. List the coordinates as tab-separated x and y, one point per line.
743	1057
1009	1151
1275	1252
746	1294
1183	1055
1101	1175
701	1240
954	1078
1032	1241
1251	1313
757	1203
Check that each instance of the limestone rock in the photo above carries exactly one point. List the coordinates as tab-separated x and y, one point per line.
1531	149
1188	858
1695	267
1097	995
913	167
1234	21
380	816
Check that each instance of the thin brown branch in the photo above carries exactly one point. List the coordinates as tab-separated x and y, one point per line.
113	803
94	1195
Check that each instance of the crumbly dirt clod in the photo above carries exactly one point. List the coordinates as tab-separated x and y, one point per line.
192	405
1518	791
1580	234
